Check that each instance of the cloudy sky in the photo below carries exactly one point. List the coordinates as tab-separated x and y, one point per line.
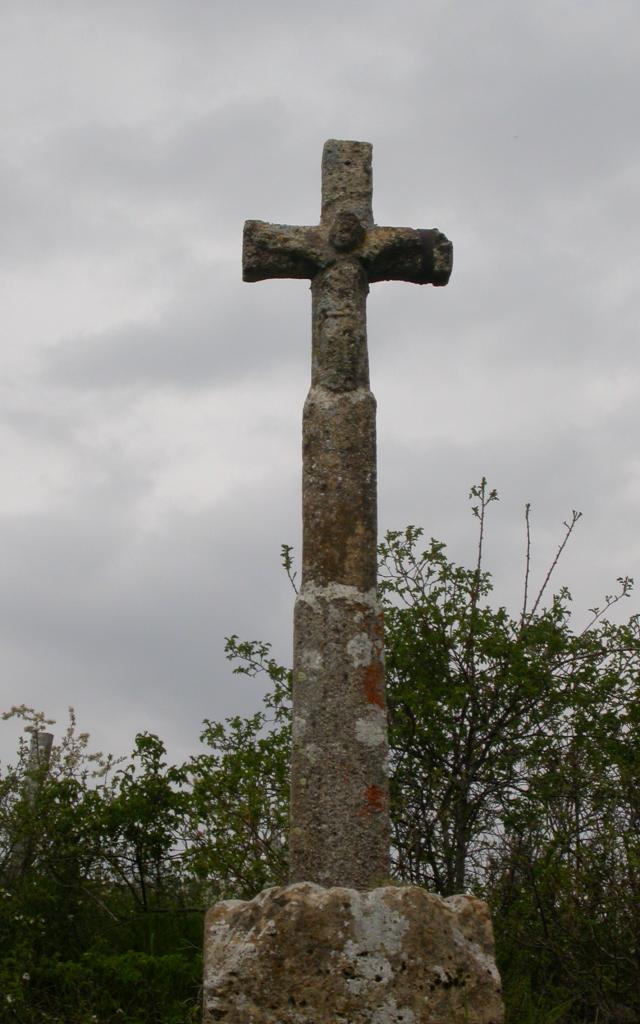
150	402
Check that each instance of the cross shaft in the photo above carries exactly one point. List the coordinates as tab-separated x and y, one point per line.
339	833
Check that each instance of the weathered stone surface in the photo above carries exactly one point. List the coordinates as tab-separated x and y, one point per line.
347	180
339	798
346	225
385	253
339	519
339	831
306	955
339	359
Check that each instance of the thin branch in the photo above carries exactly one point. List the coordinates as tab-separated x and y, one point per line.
569	527
527	510
286	560
626	586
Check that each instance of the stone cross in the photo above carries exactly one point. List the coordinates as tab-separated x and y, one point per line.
339	833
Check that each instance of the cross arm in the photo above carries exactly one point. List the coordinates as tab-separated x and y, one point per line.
386	254
279	250
407	254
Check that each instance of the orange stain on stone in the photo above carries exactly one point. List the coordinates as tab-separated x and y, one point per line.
375	801
373	684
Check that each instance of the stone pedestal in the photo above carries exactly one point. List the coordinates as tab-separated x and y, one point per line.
302	954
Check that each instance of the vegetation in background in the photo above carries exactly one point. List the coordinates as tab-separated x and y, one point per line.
515	760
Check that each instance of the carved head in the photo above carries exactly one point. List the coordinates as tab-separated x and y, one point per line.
346	232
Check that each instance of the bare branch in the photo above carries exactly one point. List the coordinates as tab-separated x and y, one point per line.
527	510
569	527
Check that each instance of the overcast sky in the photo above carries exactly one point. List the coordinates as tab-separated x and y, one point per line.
151	402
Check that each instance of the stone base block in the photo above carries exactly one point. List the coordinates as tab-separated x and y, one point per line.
301	954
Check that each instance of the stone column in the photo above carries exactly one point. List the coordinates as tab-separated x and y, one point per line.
339	800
